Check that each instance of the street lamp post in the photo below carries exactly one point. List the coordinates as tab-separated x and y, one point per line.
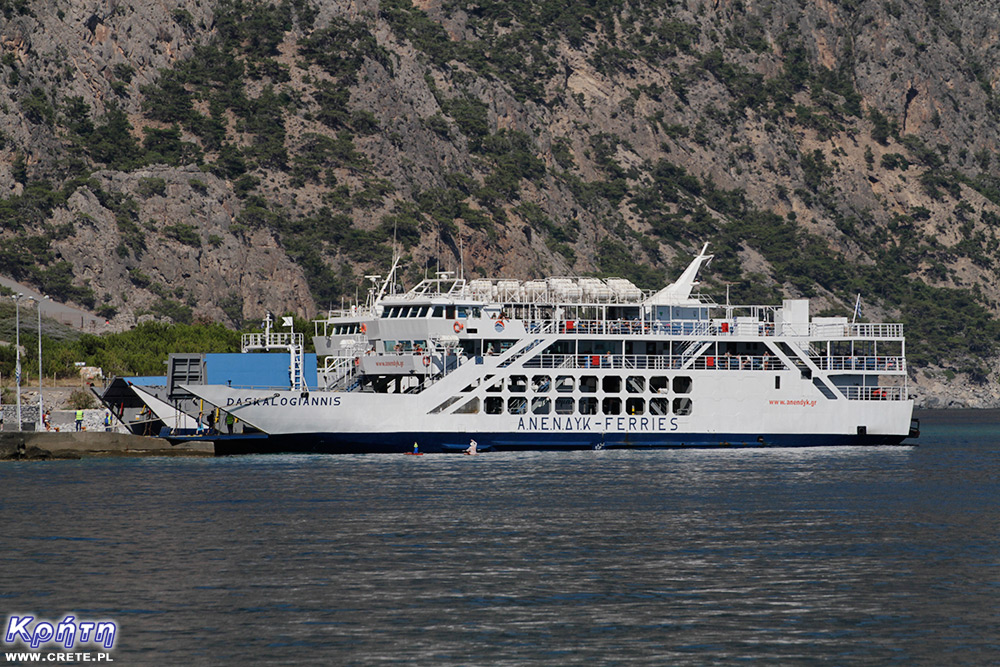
41	419
17	351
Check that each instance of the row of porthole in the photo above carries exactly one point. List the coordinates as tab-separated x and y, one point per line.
588	405
588	384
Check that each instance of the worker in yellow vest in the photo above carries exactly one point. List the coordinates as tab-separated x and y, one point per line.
79	420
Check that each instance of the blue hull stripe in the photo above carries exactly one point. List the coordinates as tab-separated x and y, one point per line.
357	443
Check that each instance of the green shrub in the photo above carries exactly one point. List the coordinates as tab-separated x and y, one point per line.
81	399
183	233
177	312
152	186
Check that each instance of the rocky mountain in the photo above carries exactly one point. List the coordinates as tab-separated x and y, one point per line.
213	159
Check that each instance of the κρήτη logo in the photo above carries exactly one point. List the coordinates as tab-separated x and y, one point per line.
67	633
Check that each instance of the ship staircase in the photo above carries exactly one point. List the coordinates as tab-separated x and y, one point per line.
696	347
808	369
339	374
517	353
292	342
693	352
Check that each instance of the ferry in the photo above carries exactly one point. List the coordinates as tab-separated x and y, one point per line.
576	363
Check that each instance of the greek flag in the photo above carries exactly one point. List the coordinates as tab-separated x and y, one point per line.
17	372
857	308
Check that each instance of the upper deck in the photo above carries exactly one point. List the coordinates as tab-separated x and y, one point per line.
581	307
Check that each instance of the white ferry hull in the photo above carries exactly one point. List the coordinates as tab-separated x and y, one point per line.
344	422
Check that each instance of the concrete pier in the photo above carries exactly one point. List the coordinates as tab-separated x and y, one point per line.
27	445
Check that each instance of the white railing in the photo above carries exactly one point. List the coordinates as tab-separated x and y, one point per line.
878	364
654	362
874	393
759	329
260	341
874	330
622	327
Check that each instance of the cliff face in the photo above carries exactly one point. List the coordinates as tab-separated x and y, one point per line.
218	159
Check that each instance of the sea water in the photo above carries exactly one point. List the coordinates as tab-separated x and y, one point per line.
847	555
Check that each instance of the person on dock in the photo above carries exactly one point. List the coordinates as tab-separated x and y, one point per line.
107	421
230	422
79	420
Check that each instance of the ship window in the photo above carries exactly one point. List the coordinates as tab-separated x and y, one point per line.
423	311
541	384
612	406
564	383
517	405
659	384
470	408
438	311
635	384
588	406
659	406
682	385
517	383
493	405
541	405
564	405
612	384
588	384
777	382
635	406
496	386
682	406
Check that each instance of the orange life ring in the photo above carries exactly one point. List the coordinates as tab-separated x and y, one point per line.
363	328
427	361
458	327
